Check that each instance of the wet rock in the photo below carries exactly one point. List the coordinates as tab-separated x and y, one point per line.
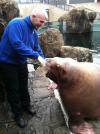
79	53
92	16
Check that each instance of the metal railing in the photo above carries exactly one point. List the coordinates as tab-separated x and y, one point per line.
28	1
62	5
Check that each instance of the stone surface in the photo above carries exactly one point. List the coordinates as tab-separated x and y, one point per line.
81	54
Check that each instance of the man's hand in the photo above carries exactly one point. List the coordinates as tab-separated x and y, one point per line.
42	61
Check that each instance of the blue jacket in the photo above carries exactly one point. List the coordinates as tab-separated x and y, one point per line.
19	42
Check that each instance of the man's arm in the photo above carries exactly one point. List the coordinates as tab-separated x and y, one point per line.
37	45
15	38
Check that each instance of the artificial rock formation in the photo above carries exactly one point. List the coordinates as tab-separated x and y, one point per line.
52	44
77	20
8	10
81	54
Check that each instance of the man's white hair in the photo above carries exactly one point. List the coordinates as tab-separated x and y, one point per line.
40	11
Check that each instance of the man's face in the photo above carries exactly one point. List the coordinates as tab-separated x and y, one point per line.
38	20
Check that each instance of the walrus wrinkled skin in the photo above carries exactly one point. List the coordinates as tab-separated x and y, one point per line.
78	84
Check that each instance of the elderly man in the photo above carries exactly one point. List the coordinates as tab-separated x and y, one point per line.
19	42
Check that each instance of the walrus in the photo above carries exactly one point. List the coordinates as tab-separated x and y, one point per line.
79	88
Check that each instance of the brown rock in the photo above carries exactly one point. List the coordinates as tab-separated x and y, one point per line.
51	42
79	53
8	10
78	20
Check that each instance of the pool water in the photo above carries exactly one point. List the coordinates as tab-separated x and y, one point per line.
96	26
87	40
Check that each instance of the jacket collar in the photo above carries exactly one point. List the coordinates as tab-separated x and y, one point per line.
28	21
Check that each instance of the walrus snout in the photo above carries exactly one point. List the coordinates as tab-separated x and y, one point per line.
50	68
49	63
47	66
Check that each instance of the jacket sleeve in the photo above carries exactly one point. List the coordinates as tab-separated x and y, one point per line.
15	37
37	45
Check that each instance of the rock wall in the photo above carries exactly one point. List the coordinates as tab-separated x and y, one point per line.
52	44
77	21
8	10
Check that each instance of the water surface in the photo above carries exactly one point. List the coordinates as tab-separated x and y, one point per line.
88	40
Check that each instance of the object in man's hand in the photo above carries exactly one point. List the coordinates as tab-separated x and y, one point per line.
42	61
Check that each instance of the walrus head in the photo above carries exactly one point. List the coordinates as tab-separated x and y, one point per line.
58	69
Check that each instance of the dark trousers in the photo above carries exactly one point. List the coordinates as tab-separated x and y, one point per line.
15	78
